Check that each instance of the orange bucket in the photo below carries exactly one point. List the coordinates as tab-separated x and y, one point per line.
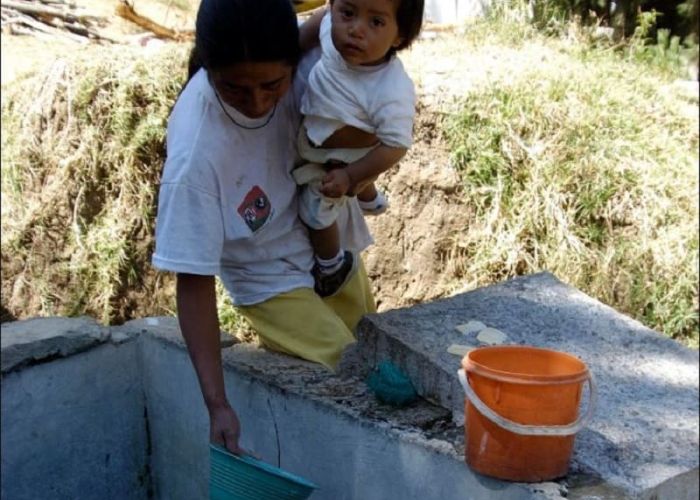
521	411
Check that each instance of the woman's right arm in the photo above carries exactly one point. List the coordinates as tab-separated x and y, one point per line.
199	322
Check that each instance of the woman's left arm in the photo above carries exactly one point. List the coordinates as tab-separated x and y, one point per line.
308	32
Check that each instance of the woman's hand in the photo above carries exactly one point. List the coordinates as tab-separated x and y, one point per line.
225	429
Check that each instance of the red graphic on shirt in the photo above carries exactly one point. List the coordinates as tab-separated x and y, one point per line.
255	208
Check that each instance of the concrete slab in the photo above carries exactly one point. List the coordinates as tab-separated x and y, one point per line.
166	327
38	340
644	437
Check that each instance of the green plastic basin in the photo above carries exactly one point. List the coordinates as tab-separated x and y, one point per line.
246	478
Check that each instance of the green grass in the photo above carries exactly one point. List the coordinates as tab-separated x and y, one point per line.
586	167
82	148
229	319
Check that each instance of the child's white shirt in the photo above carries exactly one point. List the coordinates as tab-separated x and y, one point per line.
377	99
227	202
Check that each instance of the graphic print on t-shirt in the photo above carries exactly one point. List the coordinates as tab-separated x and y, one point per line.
255	208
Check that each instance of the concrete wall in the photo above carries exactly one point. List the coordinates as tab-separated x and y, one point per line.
73	427
644	436
95	413
346	457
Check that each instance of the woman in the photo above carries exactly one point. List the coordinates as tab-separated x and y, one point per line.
228	203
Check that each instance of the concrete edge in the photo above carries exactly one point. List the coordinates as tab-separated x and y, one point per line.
41	340
681	487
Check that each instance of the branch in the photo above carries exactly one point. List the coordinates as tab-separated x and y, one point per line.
126	10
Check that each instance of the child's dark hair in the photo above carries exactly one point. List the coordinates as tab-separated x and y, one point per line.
234	31
409	18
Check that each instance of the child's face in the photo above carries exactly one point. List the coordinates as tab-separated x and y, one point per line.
253	88
363	31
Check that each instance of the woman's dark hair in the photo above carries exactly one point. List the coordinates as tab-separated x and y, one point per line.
234	31
409	18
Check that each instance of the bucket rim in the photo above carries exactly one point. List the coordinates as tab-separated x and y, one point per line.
472	366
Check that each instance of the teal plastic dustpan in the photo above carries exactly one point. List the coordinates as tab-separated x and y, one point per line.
235	477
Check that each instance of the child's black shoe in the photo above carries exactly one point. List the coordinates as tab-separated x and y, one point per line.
327	285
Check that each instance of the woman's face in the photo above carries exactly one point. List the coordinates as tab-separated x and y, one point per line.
253	88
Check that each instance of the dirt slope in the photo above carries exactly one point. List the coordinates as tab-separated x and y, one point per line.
410	261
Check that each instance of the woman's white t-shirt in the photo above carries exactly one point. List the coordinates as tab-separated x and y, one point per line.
228	204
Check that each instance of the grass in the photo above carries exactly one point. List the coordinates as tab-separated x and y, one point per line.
79	173
83	146
586	167
229	319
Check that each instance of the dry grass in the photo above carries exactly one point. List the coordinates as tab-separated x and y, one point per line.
83	146
587	168
83	150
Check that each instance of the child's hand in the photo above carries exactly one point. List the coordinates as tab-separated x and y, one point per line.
336	183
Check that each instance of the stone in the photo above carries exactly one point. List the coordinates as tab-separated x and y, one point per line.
470	327
491	336
459	349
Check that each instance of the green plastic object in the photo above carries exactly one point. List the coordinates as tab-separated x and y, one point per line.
390	385
235	477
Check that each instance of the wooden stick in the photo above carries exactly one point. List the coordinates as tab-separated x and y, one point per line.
76	28
19	29
36	21
126	10
35	25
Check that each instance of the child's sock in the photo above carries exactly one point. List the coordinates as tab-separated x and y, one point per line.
329	266
376	206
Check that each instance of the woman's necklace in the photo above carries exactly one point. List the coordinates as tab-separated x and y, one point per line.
239	124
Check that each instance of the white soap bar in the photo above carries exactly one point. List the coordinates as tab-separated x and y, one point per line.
458	349
470	327
491	336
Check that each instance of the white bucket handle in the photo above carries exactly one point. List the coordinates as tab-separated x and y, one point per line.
531	430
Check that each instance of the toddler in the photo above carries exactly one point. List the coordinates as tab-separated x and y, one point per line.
359	108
